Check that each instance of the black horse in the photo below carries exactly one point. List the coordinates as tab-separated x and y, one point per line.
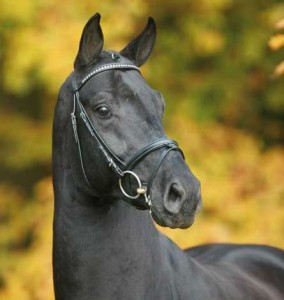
112	165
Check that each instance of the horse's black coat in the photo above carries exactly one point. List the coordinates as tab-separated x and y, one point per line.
104	248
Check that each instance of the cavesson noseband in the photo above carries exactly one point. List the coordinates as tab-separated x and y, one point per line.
119	167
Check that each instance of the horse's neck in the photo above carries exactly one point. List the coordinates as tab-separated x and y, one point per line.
110	251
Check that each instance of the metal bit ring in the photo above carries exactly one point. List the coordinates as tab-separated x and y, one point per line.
140	190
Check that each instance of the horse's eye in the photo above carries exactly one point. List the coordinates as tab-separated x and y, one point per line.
103	111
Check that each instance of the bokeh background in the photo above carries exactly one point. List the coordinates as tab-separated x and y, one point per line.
218	64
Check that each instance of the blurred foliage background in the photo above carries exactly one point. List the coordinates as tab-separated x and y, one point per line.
219	64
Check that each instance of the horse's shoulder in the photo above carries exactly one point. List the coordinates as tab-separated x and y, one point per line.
256	267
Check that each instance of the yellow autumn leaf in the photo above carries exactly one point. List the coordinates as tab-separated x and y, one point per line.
280	24
279	69
276	42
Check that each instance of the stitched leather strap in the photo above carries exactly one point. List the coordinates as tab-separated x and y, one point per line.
156	145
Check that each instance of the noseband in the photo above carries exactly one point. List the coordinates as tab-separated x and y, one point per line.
120	168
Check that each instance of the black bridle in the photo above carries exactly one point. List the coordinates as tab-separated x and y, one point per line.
120	168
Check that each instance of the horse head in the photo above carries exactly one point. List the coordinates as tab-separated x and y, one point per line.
118	149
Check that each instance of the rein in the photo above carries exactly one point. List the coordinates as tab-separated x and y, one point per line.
120	168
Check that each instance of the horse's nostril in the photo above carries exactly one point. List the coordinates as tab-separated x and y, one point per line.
177	190
174	199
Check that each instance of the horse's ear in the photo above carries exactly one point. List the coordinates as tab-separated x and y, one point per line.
91	43
141	47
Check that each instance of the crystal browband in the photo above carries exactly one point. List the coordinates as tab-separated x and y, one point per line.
106	67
